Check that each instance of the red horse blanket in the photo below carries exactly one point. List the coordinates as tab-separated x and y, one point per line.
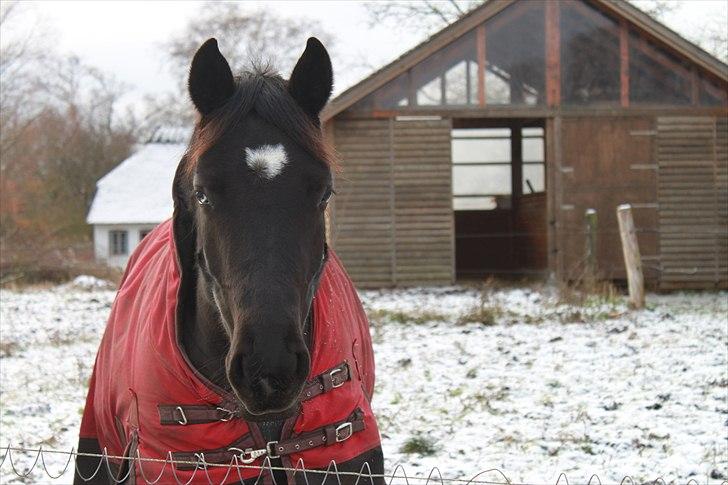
146	398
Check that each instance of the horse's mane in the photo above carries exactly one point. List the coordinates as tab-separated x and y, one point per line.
264	92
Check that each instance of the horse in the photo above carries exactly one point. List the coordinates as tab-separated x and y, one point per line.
236	337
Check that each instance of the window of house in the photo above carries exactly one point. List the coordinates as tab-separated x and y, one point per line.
481	171
118	243
143	233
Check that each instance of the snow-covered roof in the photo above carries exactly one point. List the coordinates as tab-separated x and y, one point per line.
139	189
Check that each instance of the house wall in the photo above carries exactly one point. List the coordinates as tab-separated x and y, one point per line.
101	241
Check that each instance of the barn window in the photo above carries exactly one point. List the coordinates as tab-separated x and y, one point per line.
515	57
590	71
481	174
532	142
118	243
655	76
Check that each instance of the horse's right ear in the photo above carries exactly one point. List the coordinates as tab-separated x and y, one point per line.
211	81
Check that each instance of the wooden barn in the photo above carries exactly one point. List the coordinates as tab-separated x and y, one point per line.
478	152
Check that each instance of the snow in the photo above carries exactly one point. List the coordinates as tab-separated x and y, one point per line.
547	388
139	189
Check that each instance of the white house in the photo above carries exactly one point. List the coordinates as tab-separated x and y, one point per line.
135	196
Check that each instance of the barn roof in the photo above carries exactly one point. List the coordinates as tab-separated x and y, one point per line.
619	8
139	189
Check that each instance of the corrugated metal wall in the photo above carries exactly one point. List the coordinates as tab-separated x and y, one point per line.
692	155
392	219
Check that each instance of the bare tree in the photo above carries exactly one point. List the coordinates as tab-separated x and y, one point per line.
426	16
243	34
61	129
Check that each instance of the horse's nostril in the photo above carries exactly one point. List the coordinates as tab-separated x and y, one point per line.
265	385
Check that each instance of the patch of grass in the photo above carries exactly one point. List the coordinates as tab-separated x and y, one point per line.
416	317
8	349
485	314
418	445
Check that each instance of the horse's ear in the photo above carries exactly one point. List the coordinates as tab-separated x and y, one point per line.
312	79
211	81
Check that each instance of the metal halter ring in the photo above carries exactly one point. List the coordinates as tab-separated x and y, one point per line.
182	421
271	449
248	455
229	414
331	376
345	426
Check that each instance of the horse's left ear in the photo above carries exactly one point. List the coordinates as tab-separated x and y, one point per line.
312	79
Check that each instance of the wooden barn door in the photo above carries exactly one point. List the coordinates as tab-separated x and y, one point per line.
422	179
391	220
604	162
692	154
362	223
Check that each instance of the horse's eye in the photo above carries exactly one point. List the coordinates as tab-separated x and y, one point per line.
201	198
327	197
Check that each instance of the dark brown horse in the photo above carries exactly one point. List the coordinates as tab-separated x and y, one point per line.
250	197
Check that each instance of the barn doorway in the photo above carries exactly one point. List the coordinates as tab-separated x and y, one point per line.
499	198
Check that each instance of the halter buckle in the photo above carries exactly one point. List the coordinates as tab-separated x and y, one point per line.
331	376
270	448
344	426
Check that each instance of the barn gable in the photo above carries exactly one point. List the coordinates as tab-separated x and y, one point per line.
479	151
598	52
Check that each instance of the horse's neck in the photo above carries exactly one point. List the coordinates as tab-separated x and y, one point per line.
204	338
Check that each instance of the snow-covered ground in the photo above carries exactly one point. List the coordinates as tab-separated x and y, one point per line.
539	389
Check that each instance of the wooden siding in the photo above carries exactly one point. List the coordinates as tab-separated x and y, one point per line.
692	153
606	161
392	221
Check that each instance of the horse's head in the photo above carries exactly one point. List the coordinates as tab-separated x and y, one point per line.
250	196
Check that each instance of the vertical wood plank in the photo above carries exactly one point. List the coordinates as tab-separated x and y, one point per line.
553	54
624	63
480	45
393	238
632	259
550	165
694	86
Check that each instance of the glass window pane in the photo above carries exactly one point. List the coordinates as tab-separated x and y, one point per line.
533	174
430	94
481	179
481	150
515	55
474	203
533	149
456	84
392	94
655	76
711	94
590	59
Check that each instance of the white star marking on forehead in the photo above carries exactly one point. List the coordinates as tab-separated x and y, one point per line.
266	160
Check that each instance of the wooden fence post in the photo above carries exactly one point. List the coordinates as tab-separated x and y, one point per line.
632	258
590	216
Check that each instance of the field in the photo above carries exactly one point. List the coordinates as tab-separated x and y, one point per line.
467	380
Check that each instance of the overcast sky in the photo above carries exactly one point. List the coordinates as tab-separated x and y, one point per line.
123	37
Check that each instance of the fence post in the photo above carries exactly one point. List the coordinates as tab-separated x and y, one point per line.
632	258
590	216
